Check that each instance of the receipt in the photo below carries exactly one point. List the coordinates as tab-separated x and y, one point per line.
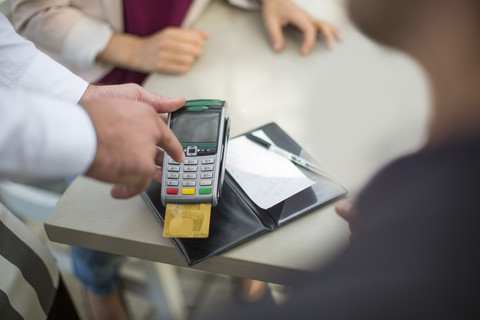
266	177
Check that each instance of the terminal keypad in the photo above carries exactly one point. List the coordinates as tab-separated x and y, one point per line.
192	177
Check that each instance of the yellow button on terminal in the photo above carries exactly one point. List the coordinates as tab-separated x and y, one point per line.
188	191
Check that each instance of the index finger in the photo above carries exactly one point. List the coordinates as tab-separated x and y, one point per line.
169	142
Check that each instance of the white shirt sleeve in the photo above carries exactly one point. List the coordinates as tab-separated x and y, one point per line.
43	137
23	66
43	132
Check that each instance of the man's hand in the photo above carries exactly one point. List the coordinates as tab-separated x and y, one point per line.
127	135
129	127
280	13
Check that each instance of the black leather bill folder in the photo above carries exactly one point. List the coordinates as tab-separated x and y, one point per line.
237	219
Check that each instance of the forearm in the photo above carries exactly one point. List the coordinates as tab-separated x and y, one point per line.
122	50
43	137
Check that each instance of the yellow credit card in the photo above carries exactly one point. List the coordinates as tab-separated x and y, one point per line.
187	220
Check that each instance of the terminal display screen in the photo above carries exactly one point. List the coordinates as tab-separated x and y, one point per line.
196	127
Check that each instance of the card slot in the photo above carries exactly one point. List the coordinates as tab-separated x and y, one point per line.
232	222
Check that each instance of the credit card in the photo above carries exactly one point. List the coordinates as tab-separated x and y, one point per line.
187	220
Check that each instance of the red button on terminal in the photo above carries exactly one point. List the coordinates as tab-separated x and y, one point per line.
172	191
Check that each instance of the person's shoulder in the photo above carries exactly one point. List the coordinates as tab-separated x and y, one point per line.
440	178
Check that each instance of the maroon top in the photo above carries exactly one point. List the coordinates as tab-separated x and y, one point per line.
143	18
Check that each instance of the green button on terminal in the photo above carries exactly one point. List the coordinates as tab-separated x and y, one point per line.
205	190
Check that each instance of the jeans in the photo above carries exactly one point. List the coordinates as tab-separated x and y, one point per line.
97	271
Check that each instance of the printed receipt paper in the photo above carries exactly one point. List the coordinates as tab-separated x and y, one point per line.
187	220
266	177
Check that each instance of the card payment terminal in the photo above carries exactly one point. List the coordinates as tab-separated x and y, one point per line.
202	127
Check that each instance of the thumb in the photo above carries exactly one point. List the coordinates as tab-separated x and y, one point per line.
161	103
122	191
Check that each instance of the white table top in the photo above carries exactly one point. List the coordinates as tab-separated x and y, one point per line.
353	109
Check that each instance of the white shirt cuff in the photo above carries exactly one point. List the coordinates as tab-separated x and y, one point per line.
72	145
85	41
44	137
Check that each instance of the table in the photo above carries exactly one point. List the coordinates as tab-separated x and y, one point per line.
354	109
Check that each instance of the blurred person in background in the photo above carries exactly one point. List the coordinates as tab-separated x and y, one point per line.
414	251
